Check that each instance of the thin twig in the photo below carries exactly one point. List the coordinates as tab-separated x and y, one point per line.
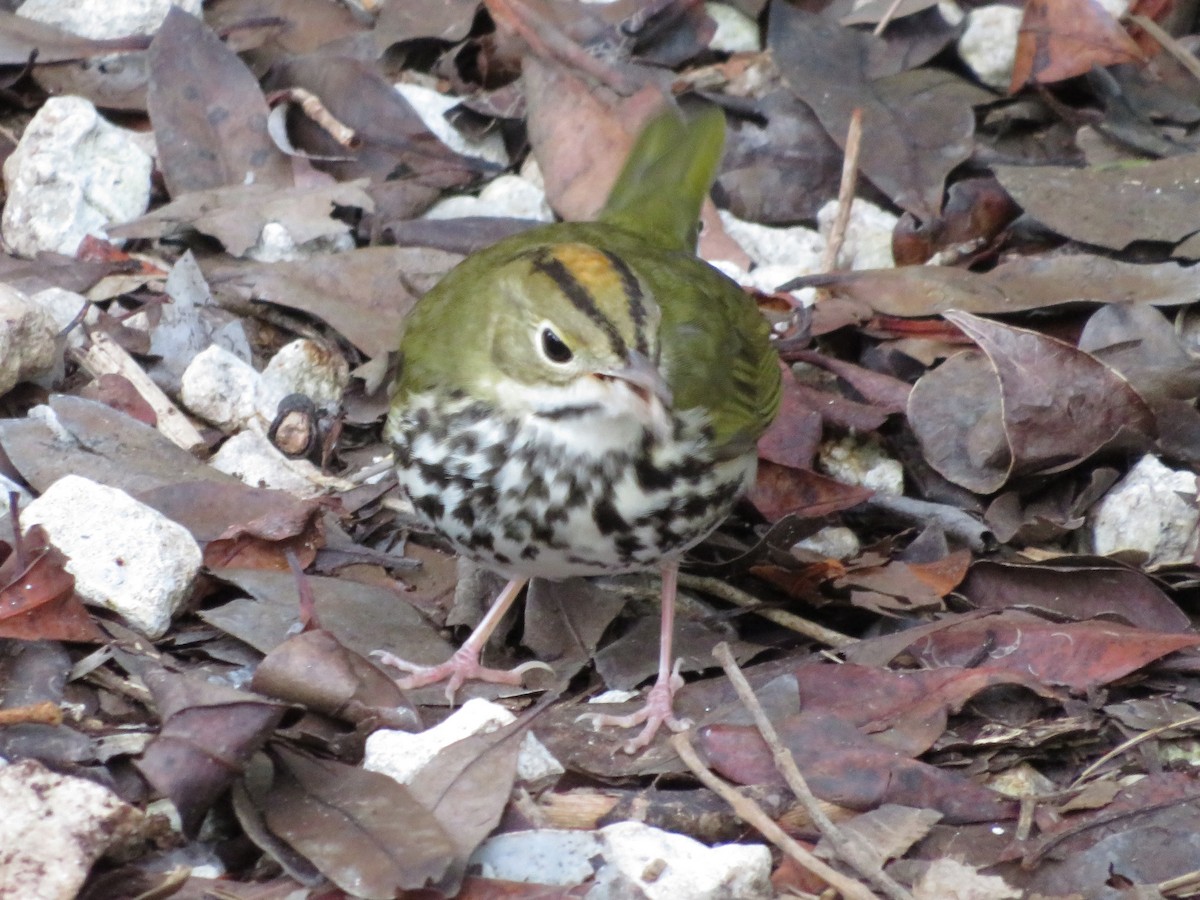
1129	745
887	18
837	234
737	597
862	858
312	106
751	813
1172	46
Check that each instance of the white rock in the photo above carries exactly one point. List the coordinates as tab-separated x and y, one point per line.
302	367
432	107
868	240
860	460
629	861
633	850
27	339
509	196
54	828
62	307
1116	8
105	18
276	244
124	555
988	44
1152	509
545	856
220	388
769	246
403	754
251	458
736	32
834	542
779	255
72	174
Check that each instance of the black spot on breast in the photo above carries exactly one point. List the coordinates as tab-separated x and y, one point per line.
464	513
434	474
649	476
530	552
628	545
607	519
536	489
431	506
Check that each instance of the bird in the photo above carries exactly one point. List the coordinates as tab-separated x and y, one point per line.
585	398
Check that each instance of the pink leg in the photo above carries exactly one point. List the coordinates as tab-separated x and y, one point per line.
464	665
658	710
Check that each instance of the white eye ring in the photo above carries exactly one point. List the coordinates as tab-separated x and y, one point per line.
553	347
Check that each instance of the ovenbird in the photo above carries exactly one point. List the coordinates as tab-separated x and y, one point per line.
585	398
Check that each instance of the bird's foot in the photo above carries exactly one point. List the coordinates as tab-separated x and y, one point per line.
658	711
460	668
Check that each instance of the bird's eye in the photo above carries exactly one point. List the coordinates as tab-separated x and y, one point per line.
554	348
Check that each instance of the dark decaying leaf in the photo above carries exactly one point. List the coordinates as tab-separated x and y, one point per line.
362	617
632	658
844	766
1077	588
1037	405
1049	513
209	114
242	526
976	212
364	831
102	444
235	214
467	787
364	294
208	734
313	669
564	622
919	123
1083	853
783	171
1014	286
391	141
1111	206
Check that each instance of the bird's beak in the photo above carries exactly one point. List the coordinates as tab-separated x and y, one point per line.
641	374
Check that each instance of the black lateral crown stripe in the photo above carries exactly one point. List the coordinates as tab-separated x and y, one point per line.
545	262
633	292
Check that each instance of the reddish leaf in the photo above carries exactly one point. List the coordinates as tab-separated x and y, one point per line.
38	600
1078	655
780	490
846	767
1060	39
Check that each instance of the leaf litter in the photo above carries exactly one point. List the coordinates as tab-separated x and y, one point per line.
962	679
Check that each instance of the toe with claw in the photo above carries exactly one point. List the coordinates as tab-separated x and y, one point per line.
657	711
